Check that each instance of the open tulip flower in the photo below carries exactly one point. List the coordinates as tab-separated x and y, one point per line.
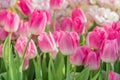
59	39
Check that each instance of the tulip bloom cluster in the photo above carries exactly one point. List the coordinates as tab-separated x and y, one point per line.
59	40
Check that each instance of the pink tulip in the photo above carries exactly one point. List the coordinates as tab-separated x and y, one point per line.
67	24
11	22
68	43
78	57
56	4
31	51
26	6
3	14
93	60
95	38
48	15
113	76
79	20
25	64
37	22
1	47
23	29
3	34
7	3
47	43
109	51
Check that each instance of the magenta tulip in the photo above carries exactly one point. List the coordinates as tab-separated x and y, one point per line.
78	57
113	76
95	38
68	43
11	22
93	60
37	22
47	43
20	45
109	51
26	6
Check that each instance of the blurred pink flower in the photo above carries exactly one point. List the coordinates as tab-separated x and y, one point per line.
23	29
113	76
93	60
109	51
47	43
77	58
7	3
37	22
79	20
20	45
68	43
96	37
56	4
26	7
11	21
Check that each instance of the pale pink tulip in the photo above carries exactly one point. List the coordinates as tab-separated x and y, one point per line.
37	22
26	7
1	48
47	43
31	51
56	4
67	24
95	38
68	43
11	22
3	34
109	51
79	20
93	60
78	57
23	29
113	76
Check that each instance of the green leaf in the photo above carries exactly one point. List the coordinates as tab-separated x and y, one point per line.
9	60
82	40
96	76
59	65
84	75
51	70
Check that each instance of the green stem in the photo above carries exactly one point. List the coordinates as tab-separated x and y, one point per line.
107	70
26	48
68	69
54	20
38	70
112	65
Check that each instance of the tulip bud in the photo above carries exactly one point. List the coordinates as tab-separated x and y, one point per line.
95	38
56	4
26	6
1	47
47	43
37	22
109	51
113	76
68	43
11	22
23	29
20	45
78	57
67	24
79	20
93	60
